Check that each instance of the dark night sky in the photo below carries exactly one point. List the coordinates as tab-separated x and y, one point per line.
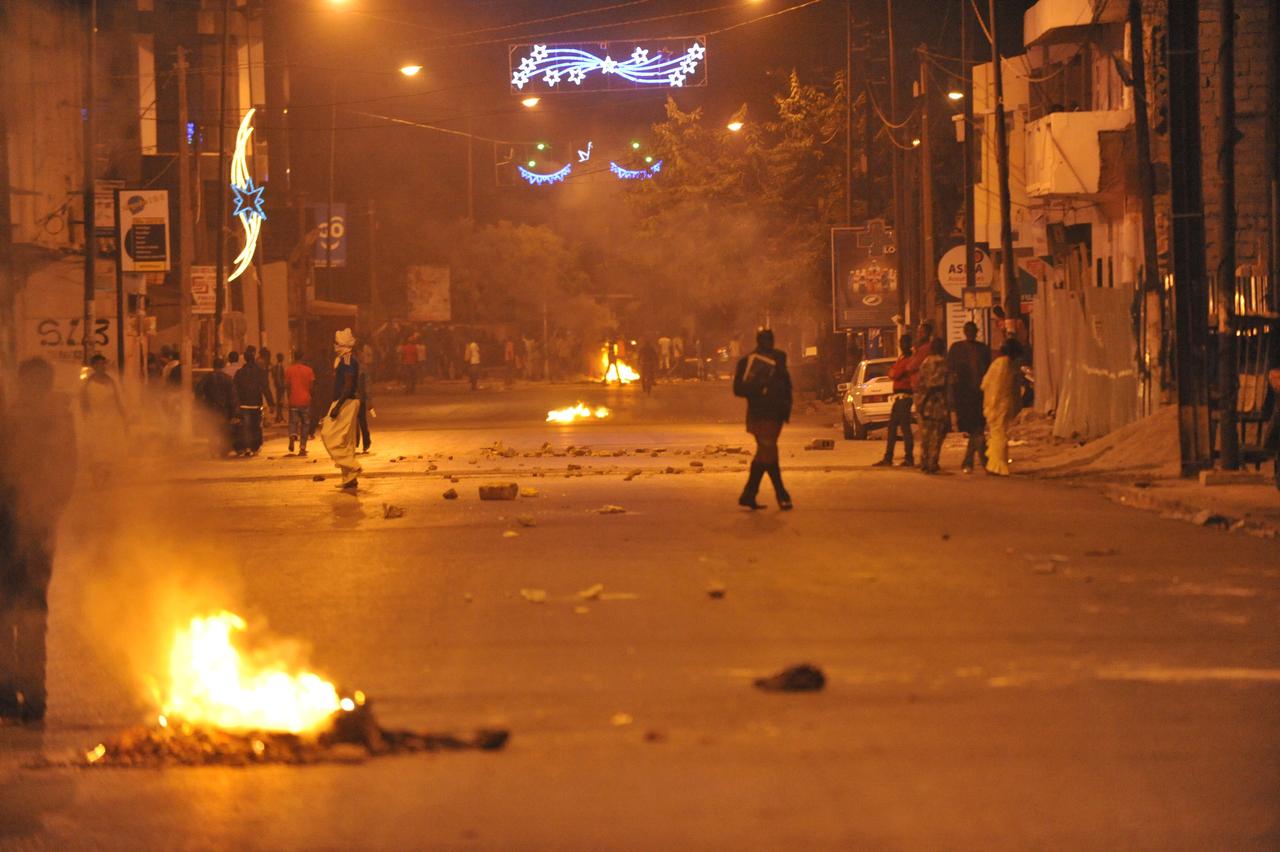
351	57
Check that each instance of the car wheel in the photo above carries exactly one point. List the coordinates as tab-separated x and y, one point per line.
859	428
850	432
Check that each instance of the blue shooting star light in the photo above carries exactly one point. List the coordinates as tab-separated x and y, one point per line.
635	174
535	179
248	199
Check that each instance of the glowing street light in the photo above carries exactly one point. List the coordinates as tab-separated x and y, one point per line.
541	146
531	102
635	146
735	126
533	164
648	159
915	143
410	70
955	96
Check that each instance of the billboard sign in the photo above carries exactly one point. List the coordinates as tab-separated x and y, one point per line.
428	288
951	270
864	272
143	217
203	293
331	245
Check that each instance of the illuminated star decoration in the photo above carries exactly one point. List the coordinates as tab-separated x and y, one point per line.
635	174
535	179
553	64
248	198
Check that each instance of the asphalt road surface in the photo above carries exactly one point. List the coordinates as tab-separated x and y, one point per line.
1010	664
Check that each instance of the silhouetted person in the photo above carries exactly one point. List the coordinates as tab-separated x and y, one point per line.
762	379
648	366
37	474
253	389
217	393
903	375
967	362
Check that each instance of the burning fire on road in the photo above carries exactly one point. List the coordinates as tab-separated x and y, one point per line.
577	412
229	706
618	373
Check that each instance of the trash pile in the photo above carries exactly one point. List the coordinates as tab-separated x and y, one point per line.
353	735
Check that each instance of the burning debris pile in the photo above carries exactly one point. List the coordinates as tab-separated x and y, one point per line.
577	412
222	706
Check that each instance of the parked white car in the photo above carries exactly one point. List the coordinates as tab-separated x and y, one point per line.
866	400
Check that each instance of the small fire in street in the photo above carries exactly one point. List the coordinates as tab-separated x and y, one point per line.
581	411
211	682
619	373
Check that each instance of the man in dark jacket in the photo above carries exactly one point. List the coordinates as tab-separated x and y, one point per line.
252	388
37	474
217	392
762	379
967	362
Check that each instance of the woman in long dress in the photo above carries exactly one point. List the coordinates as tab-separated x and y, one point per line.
1000	404
103	421
340	428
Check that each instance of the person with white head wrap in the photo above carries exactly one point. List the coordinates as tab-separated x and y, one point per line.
339	429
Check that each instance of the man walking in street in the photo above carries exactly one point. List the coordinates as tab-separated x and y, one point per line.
903	376
409	363
299	379
472	357
37	474
217	392
1000	402
278	386
762	379
967	363
340	426
233	364
252	390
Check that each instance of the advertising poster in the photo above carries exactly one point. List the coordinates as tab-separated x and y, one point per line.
864	269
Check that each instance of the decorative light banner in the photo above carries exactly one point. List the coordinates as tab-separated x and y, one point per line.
602	66
635	174
248	197
535	179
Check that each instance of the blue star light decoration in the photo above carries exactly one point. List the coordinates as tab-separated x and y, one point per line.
555	64
536	179
248	197
635	174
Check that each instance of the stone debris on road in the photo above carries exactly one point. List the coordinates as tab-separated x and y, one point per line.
611	510
390	511
510	534
319	477
801	678
499	491
716	589
591	592
526	520
528	493
619	720
451	494
534	595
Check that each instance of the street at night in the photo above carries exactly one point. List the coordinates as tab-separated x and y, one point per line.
639	425
1091	675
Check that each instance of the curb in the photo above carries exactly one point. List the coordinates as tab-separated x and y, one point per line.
1140	498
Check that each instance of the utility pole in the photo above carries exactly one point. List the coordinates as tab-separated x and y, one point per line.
8	265
90	196
928	263
327	230
186	243
1146	192
898	177
966	71
219	303
1012	297
1190	293
1228	381
373	260
471	179
848	113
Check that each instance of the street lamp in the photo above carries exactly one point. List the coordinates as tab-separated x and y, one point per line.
410	70
955	95
915	143
735	126
531	101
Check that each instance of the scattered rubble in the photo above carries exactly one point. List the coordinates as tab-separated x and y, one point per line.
510	534
319	477
526	520
528	493
499	491
534	595
391	511
801	678
591	593
353	735
611	510
821	444
619	720
716	590
451	494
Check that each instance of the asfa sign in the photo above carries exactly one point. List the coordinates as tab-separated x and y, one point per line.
951	270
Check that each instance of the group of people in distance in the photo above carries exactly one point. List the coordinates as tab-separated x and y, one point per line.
963	388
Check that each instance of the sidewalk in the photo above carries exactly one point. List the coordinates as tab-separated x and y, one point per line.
1138	466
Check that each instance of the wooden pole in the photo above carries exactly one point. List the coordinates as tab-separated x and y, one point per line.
1012	297
90	226
928	262
186	242
1228	382
1150	282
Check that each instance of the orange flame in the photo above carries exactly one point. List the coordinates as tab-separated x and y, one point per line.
212	683
619	373
577	412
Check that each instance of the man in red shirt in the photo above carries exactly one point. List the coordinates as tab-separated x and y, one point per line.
409	363
903	374
298	379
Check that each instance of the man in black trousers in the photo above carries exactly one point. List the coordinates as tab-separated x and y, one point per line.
762	379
